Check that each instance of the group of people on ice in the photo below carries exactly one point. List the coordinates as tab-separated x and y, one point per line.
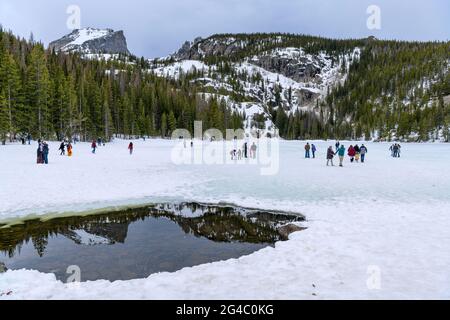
355	153
308	149
42	152
245	152
395	150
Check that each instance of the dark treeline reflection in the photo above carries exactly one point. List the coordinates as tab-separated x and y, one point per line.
216	223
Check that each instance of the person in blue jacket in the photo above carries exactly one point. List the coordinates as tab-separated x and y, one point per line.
363	151
313	149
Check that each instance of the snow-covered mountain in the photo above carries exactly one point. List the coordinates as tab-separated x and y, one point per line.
91	41
250	83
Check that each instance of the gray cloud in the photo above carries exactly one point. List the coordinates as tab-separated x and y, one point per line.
158	27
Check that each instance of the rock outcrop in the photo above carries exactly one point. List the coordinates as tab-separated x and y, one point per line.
92	41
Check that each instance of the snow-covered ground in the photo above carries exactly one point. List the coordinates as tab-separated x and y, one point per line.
376	230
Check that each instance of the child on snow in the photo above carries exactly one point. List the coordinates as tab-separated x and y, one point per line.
69	149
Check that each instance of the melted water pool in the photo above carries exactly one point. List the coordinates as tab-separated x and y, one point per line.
135	243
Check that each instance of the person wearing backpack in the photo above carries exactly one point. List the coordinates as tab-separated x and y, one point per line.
363	151
307	151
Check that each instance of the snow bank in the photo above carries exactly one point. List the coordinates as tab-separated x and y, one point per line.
378	230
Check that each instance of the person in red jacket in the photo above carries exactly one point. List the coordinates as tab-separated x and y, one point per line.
351	153
94	146
131	147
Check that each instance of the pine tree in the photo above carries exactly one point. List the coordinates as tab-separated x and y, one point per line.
163	125
10	84
37	92
172	122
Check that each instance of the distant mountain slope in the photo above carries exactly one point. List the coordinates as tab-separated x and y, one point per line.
92	41
315	87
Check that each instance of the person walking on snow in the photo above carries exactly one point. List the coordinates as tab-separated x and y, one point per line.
40	155
253	150
307	151
363	151
62	147
313	149
246	150
45	152
69	150
357	153
94	146
351	153
131	147
330	156
341	154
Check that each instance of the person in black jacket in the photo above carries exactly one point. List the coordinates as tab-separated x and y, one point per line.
62	147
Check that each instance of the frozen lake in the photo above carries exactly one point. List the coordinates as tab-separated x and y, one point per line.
375	230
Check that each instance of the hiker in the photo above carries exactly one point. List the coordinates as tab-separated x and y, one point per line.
99	142
45	152
23	141
253	150
40	156
62	147
29	139
313	149
330	156
351	153
357	153
341	154
363	151
338	144
131	147
69	150
307	149
246	150
399	149
94	146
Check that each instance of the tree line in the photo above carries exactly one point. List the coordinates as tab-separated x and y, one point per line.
51	95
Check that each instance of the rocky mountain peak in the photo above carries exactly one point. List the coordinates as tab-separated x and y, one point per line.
92	41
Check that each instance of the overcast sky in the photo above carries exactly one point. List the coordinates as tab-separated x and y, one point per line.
157	28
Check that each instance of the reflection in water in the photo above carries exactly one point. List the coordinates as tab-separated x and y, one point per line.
137	242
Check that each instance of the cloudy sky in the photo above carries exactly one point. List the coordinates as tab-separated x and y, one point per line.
158	27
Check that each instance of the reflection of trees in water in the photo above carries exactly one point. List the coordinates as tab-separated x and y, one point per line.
217	223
